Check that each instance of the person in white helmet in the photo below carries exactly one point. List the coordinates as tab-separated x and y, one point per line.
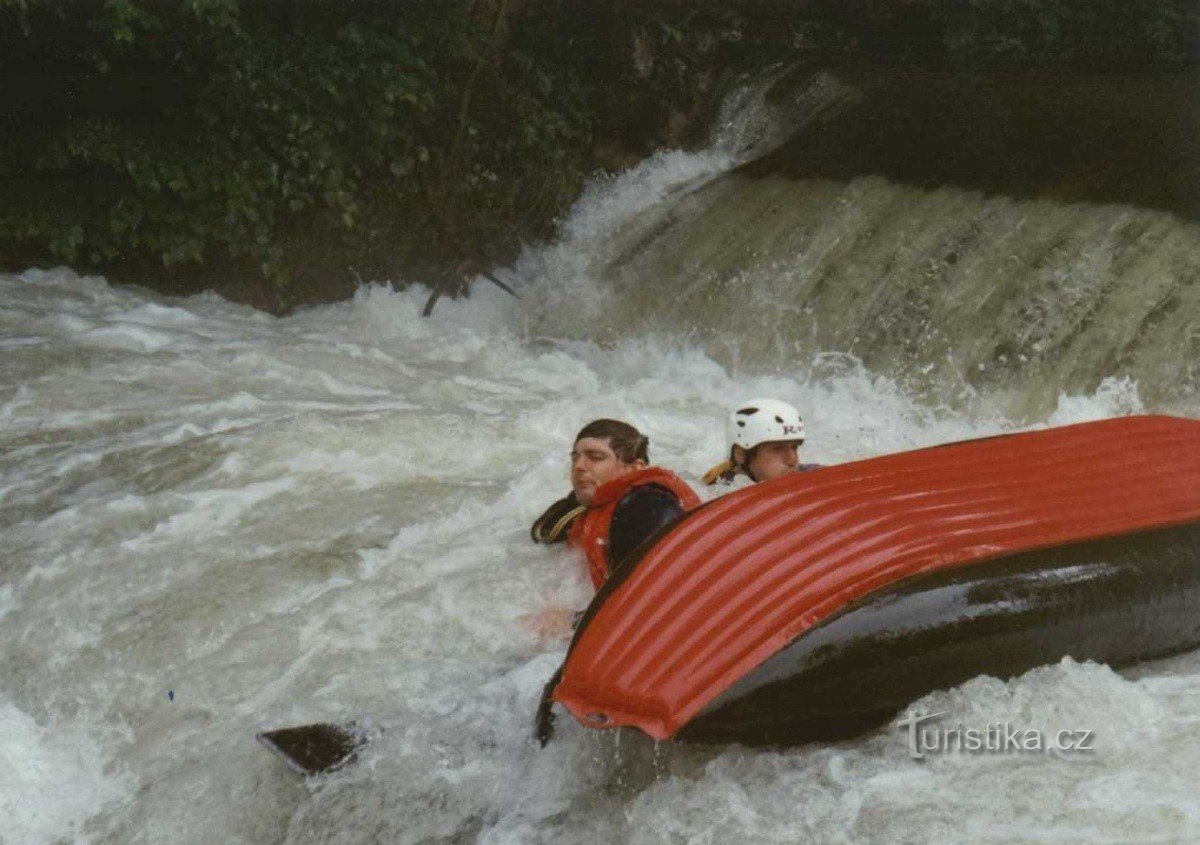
764	442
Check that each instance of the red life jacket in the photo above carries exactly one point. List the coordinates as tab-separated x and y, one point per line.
590	531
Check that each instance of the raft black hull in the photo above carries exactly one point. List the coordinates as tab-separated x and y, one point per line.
1114	601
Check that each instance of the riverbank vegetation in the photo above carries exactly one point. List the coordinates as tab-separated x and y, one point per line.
277	151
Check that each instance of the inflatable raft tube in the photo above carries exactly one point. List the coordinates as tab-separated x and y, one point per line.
816	606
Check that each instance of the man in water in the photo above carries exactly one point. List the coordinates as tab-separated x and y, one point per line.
617	500
764	436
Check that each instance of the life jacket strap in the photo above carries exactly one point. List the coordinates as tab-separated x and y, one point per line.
724	471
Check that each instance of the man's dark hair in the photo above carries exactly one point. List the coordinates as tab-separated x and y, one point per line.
627	442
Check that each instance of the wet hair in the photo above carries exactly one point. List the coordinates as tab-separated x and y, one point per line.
627	442
744	466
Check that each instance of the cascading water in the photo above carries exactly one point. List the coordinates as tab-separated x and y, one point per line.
215	521
952	294
965	299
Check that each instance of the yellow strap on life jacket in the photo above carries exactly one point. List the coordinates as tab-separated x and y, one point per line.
560	527
724	470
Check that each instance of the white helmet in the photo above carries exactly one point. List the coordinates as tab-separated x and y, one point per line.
763	421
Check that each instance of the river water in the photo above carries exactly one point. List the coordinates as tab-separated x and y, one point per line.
214	521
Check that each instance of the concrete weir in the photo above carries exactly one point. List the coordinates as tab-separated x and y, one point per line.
1007	236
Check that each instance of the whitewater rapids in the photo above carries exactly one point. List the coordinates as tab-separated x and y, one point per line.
214	522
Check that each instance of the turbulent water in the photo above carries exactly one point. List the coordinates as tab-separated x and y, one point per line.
959	296
214	521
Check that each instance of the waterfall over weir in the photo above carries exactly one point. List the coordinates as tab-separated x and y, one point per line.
950	293
958	292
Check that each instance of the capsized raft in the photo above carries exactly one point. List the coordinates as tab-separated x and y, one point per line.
816	606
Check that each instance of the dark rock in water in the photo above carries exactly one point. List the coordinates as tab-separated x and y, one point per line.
315	749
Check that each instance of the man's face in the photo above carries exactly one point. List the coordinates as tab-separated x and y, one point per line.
594	463
773	459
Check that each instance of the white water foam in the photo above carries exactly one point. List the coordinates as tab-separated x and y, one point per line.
255	522
53	778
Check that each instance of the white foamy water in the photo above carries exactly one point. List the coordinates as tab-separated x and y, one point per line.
52	777
215	522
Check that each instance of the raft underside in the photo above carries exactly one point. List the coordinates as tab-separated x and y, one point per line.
1115	601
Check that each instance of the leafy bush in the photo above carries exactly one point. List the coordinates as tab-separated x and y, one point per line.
1103	34
293	137
187	130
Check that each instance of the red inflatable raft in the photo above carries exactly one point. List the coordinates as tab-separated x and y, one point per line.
969	557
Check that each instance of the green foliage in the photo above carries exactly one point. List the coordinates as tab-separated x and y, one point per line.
279	135
194	129
959	34
1053	33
